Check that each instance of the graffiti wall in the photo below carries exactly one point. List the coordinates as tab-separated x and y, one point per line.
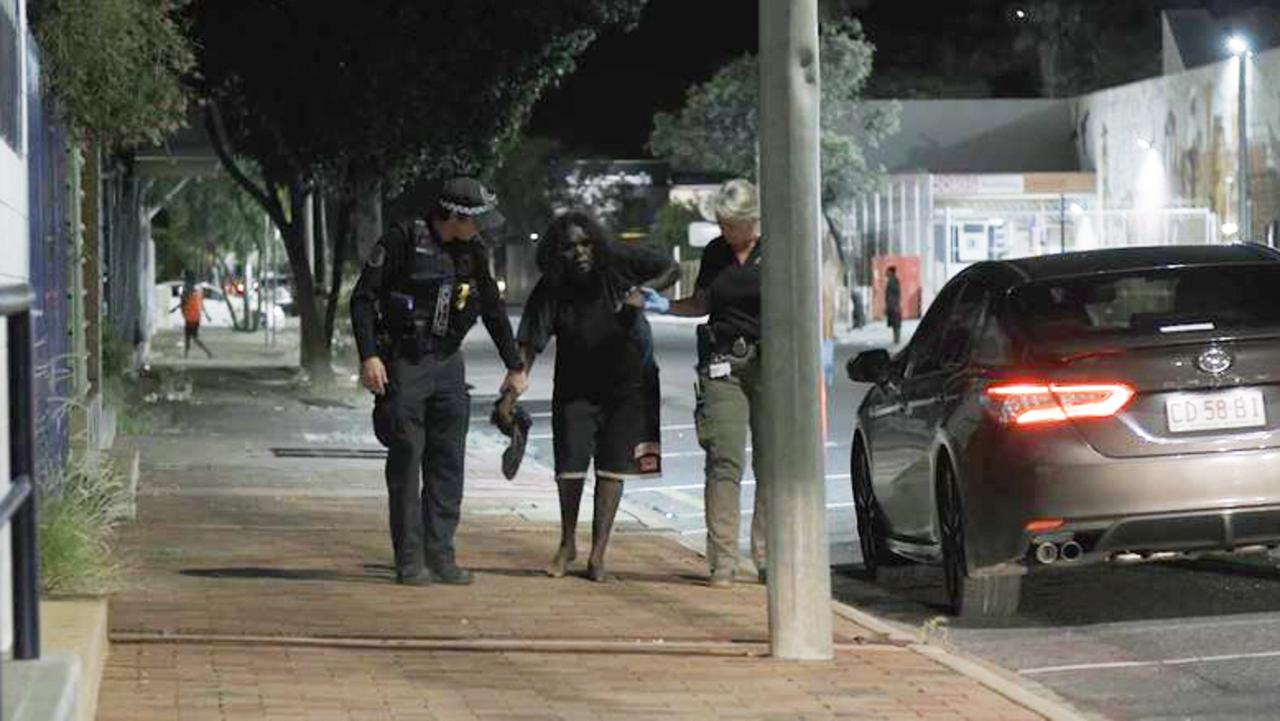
1173	142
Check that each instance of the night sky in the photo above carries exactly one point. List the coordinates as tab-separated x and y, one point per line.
606	108
924	48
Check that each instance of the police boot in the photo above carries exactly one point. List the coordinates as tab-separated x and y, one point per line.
451	574
608	496
570	498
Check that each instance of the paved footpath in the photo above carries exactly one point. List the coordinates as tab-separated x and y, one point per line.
261	590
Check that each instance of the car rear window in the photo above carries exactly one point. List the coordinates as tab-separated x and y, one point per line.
1155	302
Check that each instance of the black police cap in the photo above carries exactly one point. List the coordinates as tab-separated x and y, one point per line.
469	198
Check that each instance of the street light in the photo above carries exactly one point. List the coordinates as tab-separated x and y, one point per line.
1239	47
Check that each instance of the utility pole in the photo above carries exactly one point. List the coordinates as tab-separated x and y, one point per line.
799	572
1246	227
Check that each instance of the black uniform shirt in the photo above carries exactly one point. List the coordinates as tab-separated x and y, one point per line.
475	292
732	290
600	346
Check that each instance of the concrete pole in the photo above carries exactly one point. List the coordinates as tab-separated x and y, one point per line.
1246	228
799	572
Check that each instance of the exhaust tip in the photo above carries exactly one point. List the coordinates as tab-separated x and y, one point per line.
1071	551
1046	553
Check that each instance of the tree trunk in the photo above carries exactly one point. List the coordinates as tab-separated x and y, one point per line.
316	358
368	212
319	240
341	245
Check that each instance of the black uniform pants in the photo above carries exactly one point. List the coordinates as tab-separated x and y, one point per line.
430	410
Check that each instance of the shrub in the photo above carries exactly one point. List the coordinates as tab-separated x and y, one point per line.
79	512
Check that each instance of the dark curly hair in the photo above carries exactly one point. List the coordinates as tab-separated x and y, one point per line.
551	257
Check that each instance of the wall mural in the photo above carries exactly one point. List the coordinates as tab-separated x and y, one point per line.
1172	141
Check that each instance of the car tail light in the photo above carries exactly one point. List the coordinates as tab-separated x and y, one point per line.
1025	404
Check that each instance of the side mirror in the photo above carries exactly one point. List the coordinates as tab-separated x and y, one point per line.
868	366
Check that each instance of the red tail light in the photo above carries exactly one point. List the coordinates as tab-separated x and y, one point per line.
1024	404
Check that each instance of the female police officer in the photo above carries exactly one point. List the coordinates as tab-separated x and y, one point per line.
729	373
605	401
421	291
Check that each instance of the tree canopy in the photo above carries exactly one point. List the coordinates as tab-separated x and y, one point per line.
411	89
116	66
324	95
718	127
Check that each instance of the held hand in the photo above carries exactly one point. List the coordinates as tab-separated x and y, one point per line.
654	301
373	375
516	382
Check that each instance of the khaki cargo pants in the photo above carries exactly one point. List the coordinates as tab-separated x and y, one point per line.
726	407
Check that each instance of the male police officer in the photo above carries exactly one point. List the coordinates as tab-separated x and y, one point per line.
418	295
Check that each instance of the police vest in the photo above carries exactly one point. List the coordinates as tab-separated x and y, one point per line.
434	294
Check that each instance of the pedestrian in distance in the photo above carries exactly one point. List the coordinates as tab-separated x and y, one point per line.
893	304
192	304
730	383
422	289
604	406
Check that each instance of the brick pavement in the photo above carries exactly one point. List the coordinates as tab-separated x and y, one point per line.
273	574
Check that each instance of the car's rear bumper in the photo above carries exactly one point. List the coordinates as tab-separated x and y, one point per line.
1117	507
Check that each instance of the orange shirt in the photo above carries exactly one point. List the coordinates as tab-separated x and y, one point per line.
193	306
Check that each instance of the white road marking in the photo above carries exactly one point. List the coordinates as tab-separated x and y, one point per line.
1184	661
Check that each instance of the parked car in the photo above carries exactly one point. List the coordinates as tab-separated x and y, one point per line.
169	298
1116	405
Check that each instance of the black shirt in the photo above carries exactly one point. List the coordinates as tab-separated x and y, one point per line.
600	342
475	292
732	291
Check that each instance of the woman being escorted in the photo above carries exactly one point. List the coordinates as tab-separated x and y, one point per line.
729	374
605	394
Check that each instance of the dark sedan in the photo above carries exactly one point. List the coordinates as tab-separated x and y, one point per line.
1116	405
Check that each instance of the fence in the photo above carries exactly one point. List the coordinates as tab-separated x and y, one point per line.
50	265
18	507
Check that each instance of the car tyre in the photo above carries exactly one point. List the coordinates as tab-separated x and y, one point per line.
968	596
871	526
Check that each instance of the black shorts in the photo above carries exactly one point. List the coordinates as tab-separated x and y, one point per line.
191	331
615	434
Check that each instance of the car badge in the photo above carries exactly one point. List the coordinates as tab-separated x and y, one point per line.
1215	360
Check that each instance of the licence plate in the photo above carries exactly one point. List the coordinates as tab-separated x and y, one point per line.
1240	408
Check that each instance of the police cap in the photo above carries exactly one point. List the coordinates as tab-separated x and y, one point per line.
468	197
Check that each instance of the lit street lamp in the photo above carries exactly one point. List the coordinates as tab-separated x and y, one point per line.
1239	47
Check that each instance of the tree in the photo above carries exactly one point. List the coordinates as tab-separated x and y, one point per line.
115	66
1082	45
718	127
362	101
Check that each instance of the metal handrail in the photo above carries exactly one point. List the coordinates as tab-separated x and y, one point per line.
18	507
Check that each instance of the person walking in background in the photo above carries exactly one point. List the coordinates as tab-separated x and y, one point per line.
730	383
192	305
604	406
893	304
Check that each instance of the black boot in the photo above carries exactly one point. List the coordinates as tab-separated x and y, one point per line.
570	498
608	496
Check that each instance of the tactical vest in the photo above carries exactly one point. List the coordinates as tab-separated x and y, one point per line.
433	296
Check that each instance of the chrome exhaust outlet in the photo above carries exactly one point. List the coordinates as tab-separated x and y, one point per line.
1071	551
1163	556
1046	553
1126	557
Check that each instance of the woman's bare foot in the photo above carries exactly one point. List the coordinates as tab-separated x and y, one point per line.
559	565
595	572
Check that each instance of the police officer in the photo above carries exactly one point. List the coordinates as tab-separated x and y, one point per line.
422	289
730	380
